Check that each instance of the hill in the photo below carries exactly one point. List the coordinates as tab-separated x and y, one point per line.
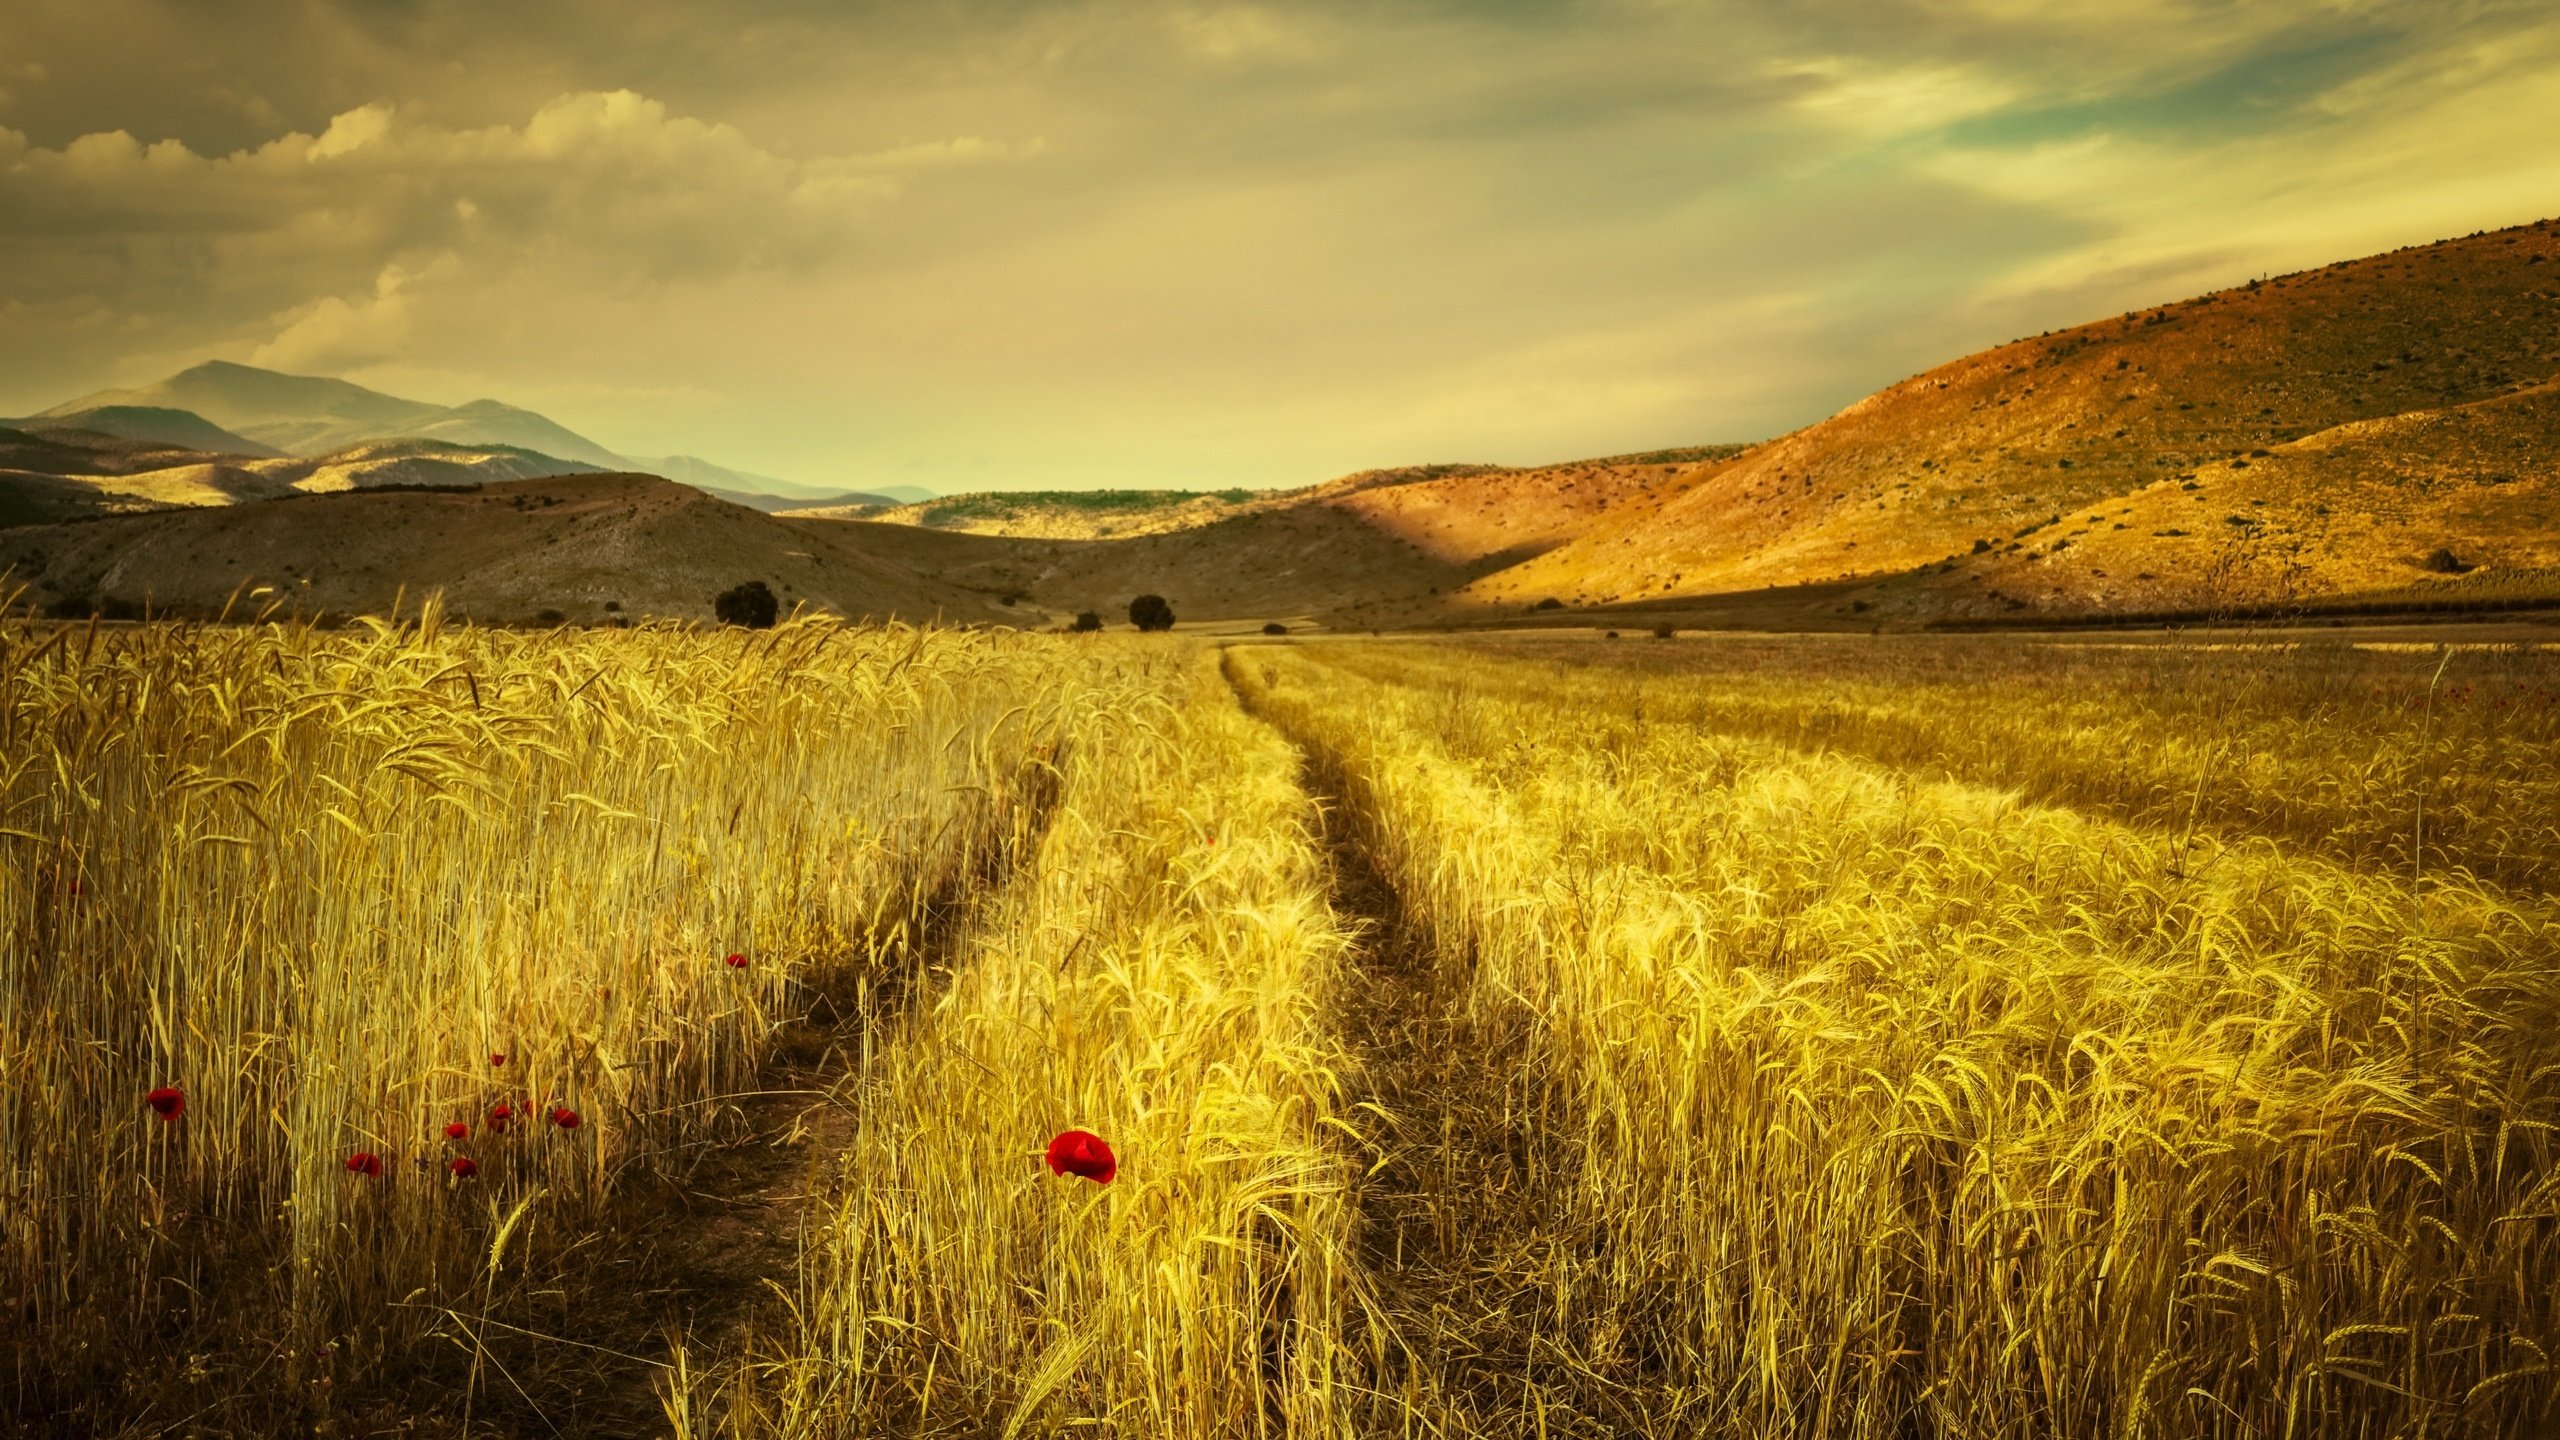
2020	436
49	475
587	548
312	415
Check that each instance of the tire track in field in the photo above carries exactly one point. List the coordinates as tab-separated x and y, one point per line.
688	1254
1460	1211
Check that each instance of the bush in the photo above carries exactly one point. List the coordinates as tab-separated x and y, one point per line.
1086	622
1150	612
1663	632
1275	628
1550	603
2445	562
1612	635
551	617
751	605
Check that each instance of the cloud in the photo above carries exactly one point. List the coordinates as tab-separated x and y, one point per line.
1260	242
336	333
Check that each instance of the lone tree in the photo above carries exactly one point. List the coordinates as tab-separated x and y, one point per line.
1149	612
751	605
1087	622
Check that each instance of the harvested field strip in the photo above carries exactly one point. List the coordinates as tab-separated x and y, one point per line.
1162	974
1905	1104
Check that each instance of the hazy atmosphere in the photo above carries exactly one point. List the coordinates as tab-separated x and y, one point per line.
981	245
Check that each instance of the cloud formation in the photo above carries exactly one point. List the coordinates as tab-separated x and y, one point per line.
1185	242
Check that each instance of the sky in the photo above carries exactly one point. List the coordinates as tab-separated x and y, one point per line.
976	245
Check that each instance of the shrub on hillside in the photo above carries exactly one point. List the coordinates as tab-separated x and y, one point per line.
1663	632
1150	612
2444	562
751	605
1086	622
1275	628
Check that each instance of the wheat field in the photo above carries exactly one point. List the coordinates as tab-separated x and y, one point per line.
1796	1036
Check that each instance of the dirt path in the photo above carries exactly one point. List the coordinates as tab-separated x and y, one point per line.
705	1251
1461	1212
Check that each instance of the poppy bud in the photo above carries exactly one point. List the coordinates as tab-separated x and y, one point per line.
168	1102
462	1166
364	1162
456	1130
564	1117
496	1059
1081	1152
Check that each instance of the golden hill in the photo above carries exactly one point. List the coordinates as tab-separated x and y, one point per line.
585	548
2043	428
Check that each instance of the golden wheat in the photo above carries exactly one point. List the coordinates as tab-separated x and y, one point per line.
318	883
1877	1039
1890	1102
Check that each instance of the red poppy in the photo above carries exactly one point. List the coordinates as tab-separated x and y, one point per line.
736	961
456	1130
499	1117
462	1166
497	1059
168	1102
564	1117
365	1162
1081	1152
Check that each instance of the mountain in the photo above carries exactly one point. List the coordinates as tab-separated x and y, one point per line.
312	415
159	425
845	501
2011	441
587	548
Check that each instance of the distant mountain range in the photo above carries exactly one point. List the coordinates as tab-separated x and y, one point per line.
229	409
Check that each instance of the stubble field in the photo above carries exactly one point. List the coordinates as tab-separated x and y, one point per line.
420	1029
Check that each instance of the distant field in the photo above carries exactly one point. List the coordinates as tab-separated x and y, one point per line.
1805	1036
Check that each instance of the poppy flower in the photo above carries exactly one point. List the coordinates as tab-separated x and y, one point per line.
564	1117
456	1130
364	1162
499	1117
168	1102
462	1166
1081	1152
497	1060
736	961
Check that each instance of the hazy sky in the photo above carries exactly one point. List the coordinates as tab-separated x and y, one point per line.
968	244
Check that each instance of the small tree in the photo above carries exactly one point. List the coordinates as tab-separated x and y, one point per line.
1275	628
751	605
1150	612
1087	622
